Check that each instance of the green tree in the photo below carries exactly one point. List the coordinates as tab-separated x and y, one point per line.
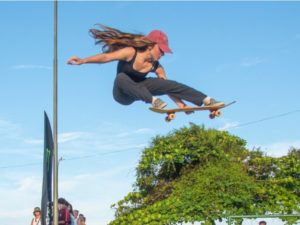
195	174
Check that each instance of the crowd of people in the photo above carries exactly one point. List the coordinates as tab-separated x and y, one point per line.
66	214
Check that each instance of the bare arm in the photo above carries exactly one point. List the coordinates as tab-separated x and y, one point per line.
121	54
160	73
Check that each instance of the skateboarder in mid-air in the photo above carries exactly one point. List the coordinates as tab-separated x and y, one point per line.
139	55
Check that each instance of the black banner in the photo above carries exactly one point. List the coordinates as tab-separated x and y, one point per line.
46	203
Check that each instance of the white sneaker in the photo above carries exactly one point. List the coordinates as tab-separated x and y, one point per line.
214	102
159	104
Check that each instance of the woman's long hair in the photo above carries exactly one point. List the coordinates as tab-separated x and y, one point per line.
112	39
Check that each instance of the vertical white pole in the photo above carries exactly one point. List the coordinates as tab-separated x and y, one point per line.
55	152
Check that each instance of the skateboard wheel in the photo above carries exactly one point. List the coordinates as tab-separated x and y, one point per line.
212	116
172	116
218	113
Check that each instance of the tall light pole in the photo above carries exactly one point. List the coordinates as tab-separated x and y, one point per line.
55	150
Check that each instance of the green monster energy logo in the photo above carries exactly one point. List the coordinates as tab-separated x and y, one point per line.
48	157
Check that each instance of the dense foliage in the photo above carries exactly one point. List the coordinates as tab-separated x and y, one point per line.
195	174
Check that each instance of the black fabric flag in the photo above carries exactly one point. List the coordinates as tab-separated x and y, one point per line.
46	203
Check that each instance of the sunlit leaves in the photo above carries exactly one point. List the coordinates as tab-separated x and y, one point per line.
195	174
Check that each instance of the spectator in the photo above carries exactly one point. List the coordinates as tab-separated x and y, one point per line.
81	220
75	215
84	220
63	214
72	219
36	220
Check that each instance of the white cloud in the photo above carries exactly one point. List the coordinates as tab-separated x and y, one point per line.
71	136
76	181
249	62
29	184
93	193
223	67
30	66
135	132
8	129
62	138
228	126
244	63
34	141
7	214
278	149
18	198
100	142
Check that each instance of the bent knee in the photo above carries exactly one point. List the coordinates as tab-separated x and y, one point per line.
122	99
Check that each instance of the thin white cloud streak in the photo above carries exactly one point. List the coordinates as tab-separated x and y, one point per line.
103	142
30	66
62	138
104	139
276	149
71	144
9	129
250	62
244	63
135	132
100	146
71	136
33	141
279	149
74	182
77	139
29	184
228	126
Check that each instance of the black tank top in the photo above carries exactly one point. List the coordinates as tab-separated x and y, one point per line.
127	68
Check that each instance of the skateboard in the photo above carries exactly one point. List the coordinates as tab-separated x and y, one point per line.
214	110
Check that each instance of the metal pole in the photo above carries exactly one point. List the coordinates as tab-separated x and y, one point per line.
55	155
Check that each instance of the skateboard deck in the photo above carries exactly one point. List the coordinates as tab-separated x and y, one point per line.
214	110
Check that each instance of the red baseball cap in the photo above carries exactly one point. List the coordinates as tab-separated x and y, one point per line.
161	39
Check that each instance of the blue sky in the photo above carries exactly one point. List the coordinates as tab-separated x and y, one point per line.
243	51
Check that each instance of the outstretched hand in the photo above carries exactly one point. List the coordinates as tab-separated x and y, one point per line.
74	60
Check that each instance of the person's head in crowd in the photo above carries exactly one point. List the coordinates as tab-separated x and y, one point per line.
70	207
37	212
75	213
62	203
81	220
262	222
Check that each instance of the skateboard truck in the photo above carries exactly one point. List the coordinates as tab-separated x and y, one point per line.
214	113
